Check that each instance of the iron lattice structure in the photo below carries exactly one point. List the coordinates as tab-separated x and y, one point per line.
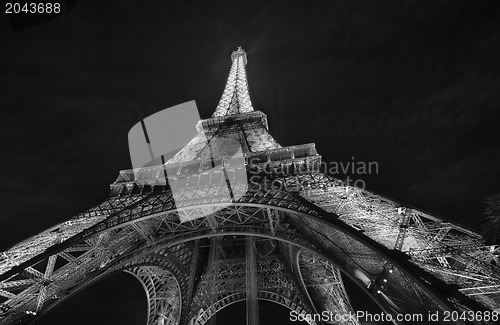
289	237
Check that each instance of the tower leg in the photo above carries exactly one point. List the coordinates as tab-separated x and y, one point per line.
251	281
213	270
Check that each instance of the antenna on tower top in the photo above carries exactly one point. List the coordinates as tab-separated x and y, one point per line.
239	52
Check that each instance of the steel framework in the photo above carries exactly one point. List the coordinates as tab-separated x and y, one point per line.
287	235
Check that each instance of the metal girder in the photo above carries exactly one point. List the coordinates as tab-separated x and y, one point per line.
33	246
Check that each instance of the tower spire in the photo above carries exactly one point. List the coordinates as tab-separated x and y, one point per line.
235	98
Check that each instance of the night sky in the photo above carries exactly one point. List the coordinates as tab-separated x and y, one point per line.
411	85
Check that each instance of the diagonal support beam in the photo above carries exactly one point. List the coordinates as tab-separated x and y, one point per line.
7	294
50	266
403	229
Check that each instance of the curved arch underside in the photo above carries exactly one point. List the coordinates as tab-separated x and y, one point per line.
284	300
408	261
162	292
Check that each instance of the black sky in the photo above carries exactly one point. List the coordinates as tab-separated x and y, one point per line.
411	85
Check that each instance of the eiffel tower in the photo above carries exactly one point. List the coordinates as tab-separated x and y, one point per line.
290	237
